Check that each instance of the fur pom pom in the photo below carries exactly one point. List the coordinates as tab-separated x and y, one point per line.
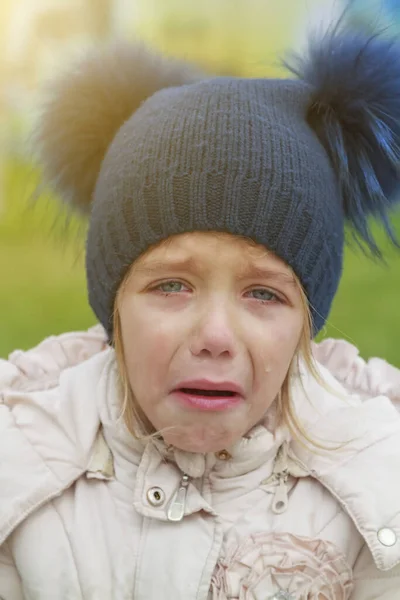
86	106
355	111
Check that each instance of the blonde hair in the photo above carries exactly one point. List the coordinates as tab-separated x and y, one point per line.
140	427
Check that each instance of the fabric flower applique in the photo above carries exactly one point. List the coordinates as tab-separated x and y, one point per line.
271	566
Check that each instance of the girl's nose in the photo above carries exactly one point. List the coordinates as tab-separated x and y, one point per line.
215	335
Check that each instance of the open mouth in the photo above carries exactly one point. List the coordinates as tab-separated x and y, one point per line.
209	393
208	400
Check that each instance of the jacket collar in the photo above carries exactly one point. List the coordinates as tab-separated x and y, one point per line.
148	464
46	440
360	464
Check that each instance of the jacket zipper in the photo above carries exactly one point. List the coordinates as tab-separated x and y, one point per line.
177	506
280	479
176	509
280	500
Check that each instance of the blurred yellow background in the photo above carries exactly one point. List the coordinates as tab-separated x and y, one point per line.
41	267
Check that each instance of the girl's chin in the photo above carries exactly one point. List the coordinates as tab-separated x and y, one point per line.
201	442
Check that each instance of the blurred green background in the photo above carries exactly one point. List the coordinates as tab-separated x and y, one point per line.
41	255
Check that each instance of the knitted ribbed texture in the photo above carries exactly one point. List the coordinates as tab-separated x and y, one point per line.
225	154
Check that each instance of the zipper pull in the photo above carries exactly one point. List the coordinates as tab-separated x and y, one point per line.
280	500
176	509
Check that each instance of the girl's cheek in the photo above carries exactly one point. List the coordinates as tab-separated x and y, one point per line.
274	353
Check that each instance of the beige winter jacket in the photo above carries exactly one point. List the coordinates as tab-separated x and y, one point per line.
86	512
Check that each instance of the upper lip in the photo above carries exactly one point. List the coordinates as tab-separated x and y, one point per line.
207	384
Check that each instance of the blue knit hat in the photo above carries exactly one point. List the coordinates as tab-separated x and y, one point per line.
156	149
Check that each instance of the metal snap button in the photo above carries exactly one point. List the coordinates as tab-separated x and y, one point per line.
223	455
387	537
155	496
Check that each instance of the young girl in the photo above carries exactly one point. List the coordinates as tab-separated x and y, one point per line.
204	454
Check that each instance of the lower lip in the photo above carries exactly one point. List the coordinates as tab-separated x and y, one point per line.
207	403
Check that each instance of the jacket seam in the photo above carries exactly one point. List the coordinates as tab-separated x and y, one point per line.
62	485
146	523
32	509
337	466
69	545
33	447
357	524
7	548
217	536
338	512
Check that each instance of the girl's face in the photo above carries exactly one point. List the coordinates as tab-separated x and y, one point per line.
209	326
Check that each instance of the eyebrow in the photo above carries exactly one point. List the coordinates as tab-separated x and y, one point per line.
257	272
153	266
190	264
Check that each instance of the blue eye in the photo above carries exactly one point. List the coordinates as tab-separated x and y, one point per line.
264	295
170	287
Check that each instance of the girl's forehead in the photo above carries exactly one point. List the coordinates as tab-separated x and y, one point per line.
202	248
